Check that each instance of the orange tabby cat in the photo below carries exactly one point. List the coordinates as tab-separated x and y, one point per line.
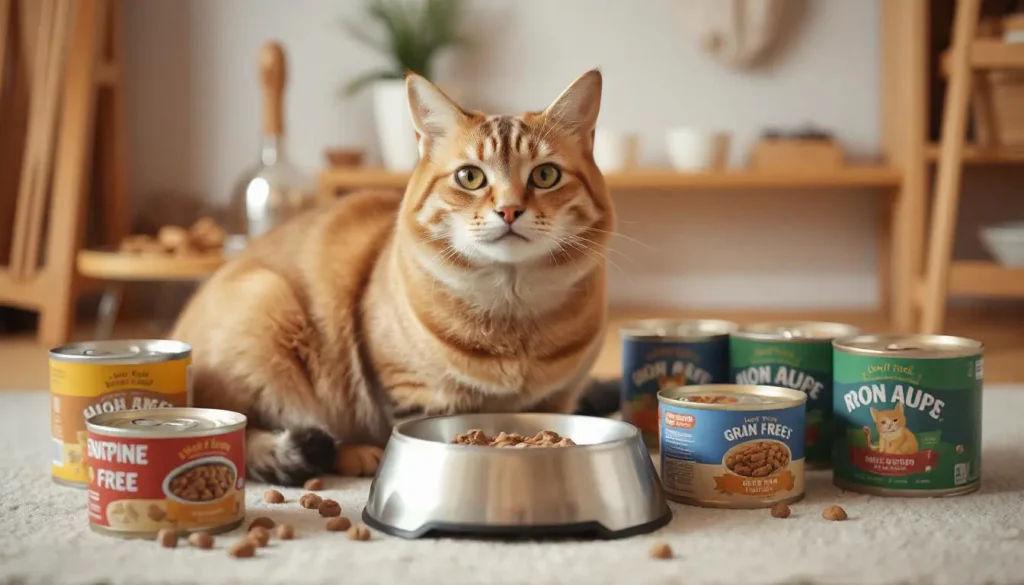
894	437
481	289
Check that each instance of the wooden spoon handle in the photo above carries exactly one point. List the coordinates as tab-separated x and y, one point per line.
272	77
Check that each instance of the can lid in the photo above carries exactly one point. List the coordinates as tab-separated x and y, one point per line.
166	422
685	329
733	397
910	346
796	331
122	351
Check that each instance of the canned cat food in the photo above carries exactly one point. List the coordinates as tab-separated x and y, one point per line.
107	376
908	414
732	446
176	468
795	355
658	354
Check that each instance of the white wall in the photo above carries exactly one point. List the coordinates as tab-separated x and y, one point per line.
194	117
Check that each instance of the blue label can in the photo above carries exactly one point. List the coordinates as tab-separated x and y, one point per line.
732	446
659	354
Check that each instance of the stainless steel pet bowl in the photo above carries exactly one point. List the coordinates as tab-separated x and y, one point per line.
606	487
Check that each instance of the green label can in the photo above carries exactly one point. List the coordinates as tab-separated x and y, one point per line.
908	414
795	355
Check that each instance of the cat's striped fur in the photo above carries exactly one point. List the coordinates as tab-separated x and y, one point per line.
452	298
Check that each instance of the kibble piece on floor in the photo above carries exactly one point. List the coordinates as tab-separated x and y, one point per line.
339	524
260	535
310	501
285	531
661	550
329	509
167	538
359	532
273	497
242	549
780	510
314	484
262	521
201	540
834	513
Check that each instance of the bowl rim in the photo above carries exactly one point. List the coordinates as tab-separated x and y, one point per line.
398	435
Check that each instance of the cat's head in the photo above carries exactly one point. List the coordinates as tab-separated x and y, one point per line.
887	421
511	190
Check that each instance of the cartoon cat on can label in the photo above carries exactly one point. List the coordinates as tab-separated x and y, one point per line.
894	437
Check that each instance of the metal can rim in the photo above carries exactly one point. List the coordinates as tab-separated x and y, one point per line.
786	397
177	350
748	332
641	329
957	347
94	424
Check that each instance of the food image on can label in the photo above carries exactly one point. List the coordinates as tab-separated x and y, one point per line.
657	355
737	450
81	387
795	355
140	484
907	425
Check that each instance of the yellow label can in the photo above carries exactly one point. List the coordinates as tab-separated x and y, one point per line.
97	377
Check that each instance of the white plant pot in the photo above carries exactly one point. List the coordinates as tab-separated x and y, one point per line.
693	150
395	131
614	151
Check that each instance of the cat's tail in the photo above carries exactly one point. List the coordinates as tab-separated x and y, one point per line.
288	458
601	398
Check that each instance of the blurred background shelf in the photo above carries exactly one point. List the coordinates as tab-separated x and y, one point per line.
983	278
335	179
977	154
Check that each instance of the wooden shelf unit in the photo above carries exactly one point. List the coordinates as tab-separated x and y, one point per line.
984	278
853	176
977	154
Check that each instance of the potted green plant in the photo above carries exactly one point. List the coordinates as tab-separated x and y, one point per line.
410	34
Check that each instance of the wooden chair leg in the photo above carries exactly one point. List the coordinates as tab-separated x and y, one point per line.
950	169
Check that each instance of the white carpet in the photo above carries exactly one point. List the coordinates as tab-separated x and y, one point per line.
971	539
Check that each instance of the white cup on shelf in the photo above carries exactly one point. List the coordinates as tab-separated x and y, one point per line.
614	150
695	150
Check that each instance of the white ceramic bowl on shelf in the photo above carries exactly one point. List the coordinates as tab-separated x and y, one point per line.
693	150
1005	241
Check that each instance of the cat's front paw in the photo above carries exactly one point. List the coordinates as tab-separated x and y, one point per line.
358	460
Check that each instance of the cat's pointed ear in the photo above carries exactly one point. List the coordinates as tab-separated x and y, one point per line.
434	114
899	407
576	109
874	414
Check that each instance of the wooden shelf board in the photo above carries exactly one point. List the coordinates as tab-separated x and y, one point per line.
105	265
990	54
982	278
981	154
664	179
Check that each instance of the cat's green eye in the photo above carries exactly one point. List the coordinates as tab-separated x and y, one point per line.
470	177
545	176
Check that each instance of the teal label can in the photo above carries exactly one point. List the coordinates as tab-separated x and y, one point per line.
908	414
796	355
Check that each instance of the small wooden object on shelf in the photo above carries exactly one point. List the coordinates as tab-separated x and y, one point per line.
795	154
344	157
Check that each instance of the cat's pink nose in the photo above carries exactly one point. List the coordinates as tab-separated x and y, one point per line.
510	213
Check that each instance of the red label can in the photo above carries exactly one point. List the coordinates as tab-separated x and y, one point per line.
177	468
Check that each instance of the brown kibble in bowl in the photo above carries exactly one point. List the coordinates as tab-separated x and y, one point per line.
314	484
263	521
243	549
259	535
329	509
273	497
834	513
780	510
359	532
310	501
200	540
156	513
339	524
661	550
167	538
285	531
